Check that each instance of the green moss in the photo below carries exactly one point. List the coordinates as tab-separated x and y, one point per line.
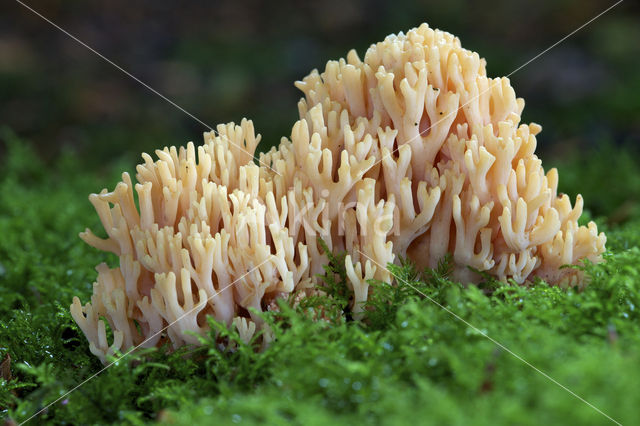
407	359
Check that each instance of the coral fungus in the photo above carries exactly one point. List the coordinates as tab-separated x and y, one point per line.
412	152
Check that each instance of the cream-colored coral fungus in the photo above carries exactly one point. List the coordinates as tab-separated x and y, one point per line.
412	151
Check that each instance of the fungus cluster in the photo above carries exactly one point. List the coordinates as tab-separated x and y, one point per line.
411	152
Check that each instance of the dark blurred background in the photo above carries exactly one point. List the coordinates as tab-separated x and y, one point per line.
224	60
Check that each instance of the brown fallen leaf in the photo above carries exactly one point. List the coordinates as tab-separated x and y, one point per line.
487	384
5	368
5	374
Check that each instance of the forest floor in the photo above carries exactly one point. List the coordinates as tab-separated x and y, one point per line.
564	356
